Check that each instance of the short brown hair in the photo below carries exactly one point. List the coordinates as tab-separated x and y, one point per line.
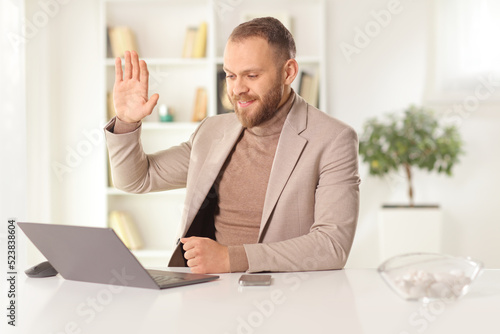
270	29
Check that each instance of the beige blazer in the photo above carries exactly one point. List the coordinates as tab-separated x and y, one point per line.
312	200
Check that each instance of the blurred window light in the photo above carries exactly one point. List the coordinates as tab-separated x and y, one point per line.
480	50
466	42
11	58
12	109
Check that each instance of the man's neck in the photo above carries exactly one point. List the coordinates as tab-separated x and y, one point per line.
287	91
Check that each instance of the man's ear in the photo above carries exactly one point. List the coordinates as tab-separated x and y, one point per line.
291	69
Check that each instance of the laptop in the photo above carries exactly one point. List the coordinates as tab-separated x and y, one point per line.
97	255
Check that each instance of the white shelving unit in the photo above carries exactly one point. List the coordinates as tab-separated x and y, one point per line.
160	27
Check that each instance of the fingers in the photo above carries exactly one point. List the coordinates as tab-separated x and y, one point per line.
187	243
191	263
128	66
144	76
190	247
205	255
153	100
190	251
118	69
135	65
134	69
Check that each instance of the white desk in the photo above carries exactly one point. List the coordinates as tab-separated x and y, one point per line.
346	302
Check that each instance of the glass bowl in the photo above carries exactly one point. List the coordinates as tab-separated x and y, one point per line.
430	276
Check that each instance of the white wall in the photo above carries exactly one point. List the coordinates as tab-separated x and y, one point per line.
63	65
388	75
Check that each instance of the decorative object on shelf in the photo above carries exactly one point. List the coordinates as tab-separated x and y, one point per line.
430	276
195	42
309	88
200	105
414	139
165	114
124	226
121	39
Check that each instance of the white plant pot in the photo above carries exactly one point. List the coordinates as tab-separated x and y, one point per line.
405	229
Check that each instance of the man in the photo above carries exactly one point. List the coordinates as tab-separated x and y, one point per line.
272	187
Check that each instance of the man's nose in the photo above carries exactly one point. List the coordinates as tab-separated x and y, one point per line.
239	87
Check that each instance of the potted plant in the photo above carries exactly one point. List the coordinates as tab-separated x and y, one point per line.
405	141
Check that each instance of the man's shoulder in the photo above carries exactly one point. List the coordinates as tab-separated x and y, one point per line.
221	120
319	123
216	126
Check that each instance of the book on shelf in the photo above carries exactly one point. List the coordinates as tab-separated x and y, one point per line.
309	88
121	39
189	41
200	105
200	44
195	42
224	105
126	229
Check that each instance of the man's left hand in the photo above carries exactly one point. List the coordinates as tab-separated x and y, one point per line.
205	256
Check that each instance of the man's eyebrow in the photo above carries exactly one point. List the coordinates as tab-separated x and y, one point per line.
249	70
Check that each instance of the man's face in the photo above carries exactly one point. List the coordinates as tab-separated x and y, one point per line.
254	80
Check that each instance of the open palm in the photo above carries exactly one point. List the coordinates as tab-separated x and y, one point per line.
130	92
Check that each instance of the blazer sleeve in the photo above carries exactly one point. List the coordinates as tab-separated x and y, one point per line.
336	207
137	172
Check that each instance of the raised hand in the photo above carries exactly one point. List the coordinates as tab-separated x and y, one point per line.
130	92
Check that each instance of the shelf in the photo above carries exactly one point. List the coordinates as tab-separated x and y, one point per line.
166	61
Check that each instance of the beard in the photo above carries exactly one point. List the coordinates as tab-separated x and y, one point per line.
268	107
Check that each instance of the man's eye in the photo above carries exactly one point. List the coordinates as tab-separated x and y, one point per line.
229	76
252	76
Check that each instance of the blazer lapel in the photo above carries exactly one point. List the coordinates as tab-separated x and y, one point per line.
290	146
208	171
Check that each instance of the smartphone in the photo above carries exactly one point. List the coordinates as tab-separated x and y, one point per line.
255	280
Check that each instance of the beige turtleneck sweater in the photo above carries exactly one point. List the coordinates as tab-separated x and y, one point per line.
242	185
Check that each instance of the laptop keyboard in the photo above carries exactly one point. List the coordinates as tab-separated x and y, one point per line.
163	280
